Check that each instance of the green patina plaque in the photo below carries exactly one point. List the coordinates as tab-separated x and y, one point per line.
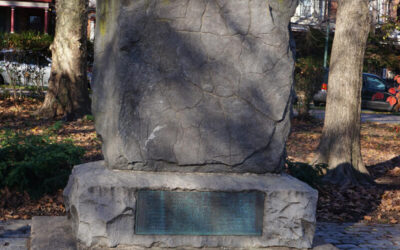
199	213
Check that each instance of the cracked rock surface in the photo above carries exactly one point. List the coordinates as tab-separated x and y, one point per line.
193	85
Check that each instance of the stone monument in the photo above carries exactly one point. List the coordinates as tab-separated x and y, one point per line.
192	101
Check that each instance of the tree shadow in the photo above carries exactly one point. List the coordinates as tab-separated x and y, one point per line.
381	173
352	204
363	202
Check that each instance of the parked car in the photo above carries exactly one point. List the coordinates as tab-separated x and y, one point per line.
374	93
24	68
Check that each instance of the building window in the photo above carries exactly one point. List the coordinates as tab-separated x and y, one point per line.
35	23
4	19
305	8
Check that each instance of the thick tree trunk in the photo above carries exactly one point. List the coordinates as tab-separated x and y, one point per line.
340	142
68	94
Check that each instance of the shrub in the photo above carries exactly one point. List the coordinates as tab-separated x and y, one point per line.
309	73
312	43
309	76
382	51
28	41
307	173
89	118
381	54
36	163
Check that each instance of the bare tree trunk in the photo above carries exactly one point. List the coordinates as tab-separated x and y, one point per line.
68	94
340	146
374	15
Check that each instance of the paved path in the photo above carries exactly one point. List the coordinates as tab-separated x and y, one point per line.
359	235
365	117
14	235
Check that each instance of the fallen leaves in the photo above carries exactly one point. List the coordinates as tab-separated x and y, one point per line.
390	201
81	132
372	204
16	205
367	218
377	203
352	204
394	172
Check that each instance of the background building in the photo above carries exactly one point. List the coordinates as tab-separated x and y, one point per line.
315	13
91	19
17	16
36	15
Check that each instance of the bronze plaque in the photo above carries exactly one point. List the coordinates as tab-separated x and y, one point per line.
199	213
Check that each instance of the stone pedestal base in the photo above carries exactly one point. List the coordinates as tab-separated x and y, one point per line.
103	204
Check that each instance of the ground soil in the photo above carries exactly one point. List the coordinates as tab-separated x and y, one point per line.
379	203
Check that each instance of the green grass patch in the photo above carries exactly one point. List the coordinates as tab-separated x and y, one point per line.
89	117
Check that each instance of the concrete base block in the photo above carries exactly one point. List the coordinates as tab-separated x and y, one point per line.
102	205
44	240
50	233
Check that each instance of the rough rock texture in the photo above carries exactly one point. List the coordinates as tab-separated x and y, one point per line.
193	85
102	205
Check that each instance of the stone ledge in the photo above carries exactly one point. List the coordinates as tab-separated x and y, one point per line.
102	205
93	174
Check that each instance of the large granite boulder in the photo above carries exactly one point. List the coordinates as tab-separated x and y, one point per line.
193	85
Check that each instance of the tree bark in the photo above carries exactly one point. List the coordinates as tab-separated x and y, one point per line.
394	5
68	94
340	146
374	15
